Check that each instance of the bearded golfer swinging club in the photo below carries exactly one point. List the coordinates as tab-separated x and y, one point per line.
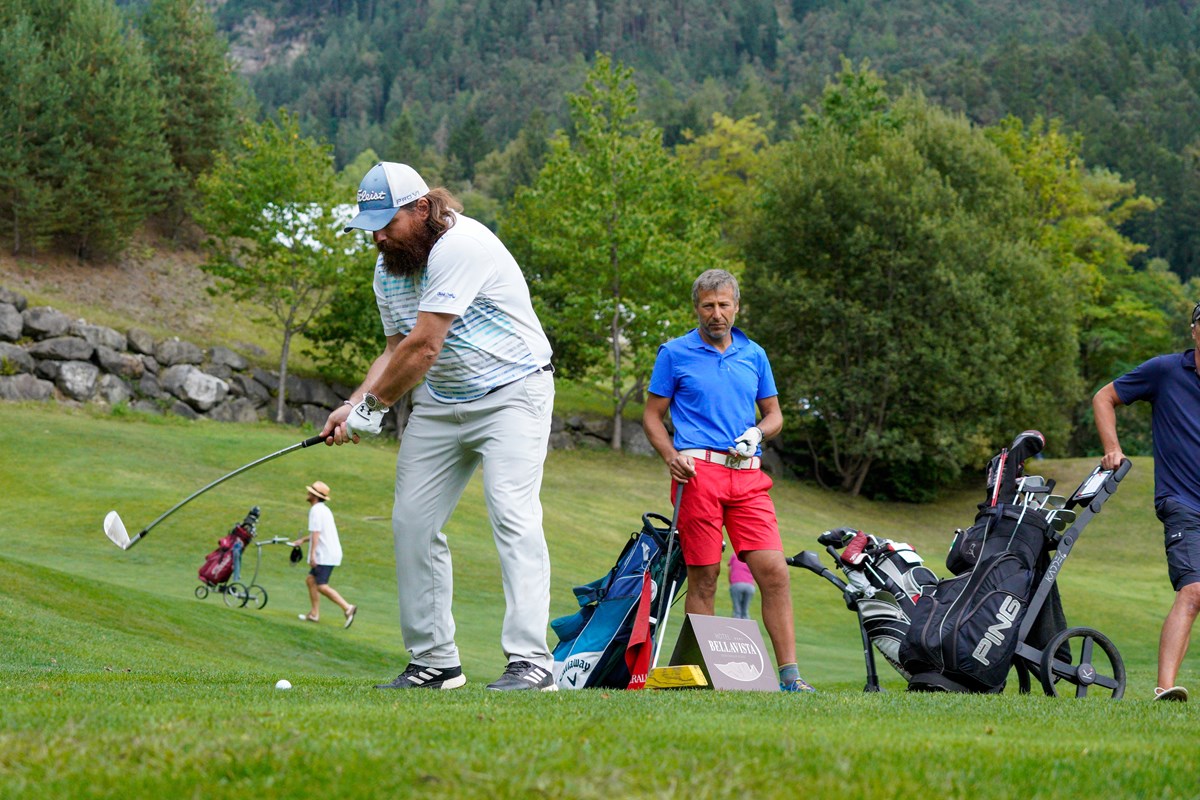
457	314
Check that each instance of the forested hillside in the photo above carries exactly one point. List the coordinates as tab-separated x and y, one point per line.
466	76
953	221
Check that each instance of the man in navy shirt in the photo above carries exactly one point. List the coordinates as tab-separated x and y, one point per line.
1171	384
712	380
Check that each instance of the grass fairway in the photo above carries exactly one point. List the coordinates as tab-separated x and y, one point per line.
117	681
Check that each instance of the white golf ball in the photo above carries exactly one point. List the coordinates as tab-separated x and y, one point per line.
283	683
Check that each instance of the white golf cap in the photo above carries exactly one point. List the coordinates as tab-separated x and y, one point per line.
386	187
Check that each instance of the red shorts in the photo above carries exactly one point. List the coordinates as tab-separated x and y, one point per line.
735	499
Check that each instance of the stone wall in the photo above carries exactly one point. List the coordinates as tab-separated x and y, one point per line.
46	355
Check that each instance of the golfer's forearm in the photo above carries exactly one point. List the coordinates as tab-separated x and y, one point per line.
771	425
403	370
1104	411
658	437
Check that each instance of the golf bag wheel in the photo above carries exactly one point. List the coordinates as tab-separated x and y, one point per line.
256	596
236	595
201	592
1083	671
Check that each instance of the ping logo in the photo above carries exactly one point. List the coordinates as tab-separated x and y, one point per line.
366	197
994	635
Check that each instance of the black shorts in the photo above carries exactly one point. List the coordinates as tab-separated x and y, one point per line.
321	573
1181	536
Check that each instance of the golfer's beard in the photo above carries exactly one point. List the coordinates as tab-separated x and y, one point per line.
403	259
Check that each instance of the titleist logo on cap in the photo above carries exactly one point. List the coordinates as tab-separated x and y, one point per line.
366	197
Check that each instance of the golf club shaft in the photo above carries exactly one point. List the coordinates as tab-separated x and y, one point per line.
306	443
664	602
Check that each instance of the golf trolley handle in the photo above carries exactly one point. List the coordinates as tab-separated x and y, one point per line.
306	443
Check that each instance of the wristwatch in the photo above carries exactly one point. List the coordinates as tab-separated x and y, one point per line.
372	403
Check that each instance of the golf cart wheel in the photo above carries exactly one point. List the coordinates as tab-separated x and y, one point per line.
1083	670
201	592
236	595
256	596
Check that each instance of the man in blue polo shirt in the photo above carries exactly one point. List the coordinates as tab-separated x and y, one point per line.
712	380
1172	386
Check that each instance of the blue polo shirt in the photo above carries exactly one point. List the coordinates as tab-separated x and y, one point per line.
1172	387
714	395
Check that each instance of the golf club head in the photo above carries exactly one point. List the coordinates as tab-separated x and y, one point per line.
114	529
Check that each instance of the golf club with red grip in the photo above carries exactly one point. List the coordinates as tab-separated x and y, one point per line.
114	528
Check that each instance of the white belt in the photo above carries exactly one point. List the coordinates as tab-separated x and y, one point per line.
724	459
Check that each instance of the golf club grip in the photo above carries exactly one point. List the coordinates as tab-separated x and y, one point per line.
309	442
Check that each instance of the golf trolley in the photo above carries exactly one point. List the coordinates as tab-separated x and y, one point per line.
221	571
955	634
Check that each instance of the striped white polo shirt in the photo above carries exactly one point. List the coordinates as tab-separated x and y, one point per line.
496	339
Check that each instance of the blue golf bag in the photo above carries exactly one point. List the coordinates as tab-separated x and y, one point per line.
592	641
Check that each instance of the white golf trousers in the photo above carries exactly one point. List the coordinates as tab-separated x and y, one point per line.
508	432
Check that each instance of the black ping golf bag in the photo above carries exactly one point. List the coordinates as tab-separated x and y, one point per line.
963	634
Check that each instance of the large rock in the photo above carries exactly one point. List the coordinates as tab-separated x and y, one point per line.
226	357
150	364
176	351
182	409
47	369
148	386
126	365
315	415
245	386
25	387
633	439
77	379
99	336
267	379
141	342
11	322
16	299
113	390
198	389
14	359
62	348
43	322
146	407
302	391
238	409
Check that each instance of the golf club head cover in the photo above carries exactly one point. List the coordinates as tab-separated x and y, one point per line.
363	420
838	537
747	444
853	554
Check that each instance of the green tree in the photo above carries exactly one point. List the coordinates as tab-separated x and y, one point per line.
271	212
726	160
611	236
1122	315
191	67
32	100
911	317
90	136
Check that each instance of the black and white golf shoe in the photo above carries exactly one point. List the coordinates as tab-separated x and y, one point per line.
523	675
416	676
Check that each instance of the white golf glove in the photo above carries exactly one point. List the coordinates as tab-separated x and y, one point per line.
363	420
747	444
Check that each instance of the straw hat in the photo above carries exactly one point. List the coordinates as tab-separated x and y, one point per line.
319	489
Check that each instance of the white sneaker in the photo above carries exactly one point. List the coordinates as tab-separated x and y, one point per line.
1176	694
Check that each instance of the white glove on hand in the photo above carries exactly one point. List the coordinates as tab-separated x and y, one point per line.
747	444
363	420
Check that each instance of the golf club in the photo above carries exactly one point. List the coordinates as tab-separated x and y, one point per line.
664	607
114	528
